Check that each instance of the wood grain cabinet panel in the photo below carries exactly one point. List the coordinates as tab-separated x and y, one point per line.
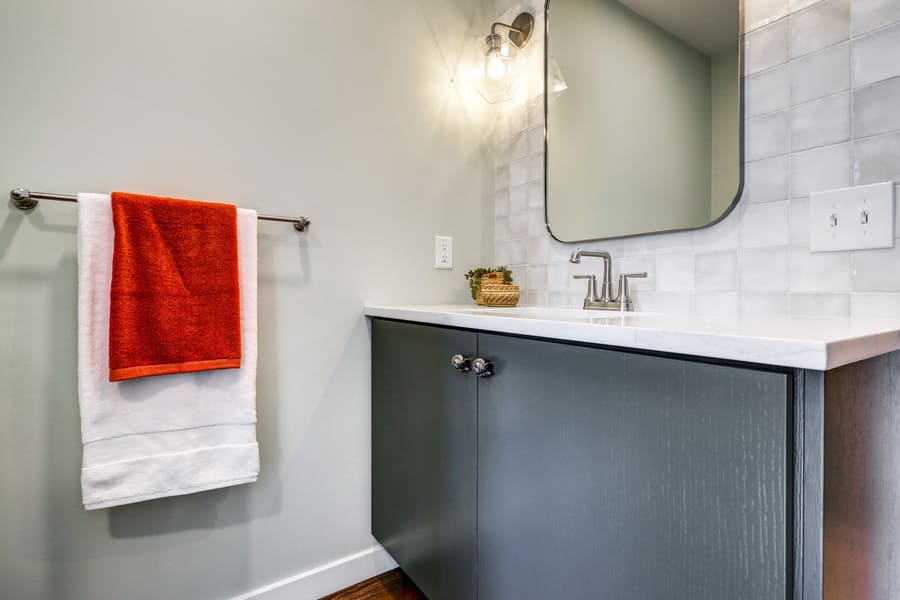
604	474
579	472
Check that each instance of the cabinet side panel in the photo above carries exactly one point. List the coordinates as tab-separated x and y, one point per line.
613	475
862	480
424	455
809	483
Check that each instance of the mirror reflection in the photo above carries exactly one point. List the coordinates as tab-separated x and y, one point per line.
643	115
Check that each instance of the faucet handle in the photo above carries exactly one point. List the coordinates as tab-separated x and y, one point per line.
592	286
623	299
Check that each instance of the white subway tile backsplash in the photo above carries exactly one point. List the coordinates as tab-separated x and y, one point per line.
501	202
869	15
773	303
518	199
800	221
821	25
767	180
767	47
536	225
765	225
821	169
716	303
536	167
675	272
721	236
519	148
560	300
517	121
715	271
678	303
536	140
768	91
768	136
763	270
763	12
821	122
501	228
638	264
658	244
520	276
876	56
535	112
538	250
821	74
501	178
876	270
516	253
875	108
821	272
876	159
875	306
806	131
797	5
536	194
517	222
537	278
820	305
558	277
535	298
518	172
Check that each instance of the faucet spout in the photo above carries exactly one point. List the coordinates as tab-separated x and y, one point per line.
606	291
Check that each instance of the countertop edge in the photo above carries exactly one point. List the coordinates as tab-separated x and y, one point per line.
797	354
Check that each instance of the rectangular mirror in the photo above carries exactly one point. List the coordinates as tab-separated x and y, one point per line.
643	110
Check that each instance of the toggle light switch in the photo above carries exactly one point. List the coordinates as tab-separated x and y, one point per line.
857	218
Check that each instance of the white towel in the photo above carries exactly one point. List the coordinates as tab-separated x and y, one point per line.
167	435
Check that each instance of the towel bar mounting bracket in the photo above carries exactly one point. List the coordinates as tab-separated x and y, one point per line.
22	199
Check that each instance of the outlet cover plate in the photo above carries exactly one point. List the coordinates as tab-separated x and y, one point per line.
443	252
856	218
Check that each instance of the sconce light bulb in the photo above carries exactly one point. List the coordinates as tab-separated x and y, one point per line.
496	67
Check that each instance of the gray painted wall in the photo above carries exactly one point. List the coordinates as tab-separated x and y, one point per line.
341	110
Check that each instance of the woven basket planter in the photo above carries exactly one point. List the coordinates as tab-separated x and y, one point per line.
493	292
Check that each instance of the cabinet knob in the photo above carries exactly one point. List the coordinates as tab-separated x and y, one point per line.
483	368
460	363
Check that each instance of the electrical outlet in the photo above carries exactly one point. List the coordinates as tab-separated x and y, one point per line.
857	218
443	252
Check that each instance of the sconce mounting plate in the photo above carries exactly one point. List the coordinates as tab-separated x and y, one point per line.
523	27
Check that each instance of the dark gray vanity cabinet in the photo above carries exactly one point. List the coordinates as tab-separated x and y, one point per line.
605	474
593	473
424	449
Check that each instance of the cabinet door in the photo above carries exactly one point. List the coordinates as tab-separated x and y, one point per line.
616	476
424	446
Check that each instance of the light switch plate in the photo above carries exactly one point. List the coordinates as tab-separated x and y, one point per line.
857	218
443	252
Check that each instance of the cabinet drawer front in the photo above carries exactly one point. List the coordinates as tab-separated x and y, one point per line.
605	474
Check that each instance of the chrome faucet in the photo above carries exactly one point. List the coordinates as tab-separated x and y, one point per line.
603	299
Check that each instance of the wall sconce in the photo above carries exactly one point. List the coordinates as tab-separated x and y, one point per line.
503	59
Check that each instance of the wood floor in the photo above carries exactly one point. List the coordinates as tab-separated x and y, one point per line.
393	585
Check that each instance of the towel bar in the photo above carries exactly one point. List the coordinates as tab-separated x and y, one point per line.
26	200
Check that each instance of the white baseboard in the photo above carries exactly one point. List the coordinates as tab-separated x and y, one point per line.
326	579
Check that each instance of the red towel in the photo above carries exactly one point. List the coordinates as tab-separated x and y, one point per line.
175	298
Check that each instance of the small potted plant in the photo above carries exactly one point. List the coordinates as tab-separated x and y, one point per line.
493	286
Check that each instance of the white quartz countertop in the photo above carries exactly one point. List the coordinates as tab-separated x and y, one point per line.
797	342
